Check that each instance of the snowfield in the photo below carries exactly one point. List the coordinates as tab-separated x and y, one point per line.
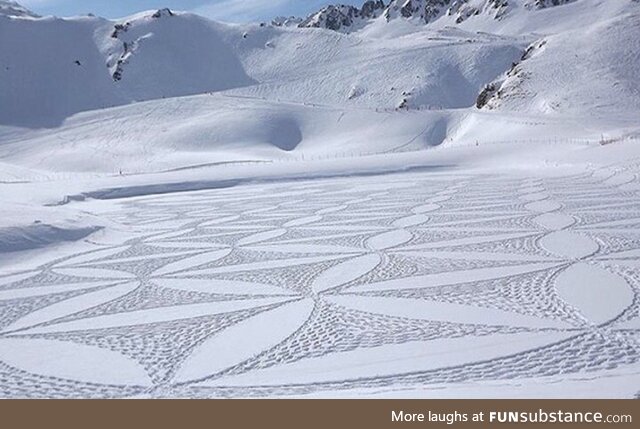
427	283
440	205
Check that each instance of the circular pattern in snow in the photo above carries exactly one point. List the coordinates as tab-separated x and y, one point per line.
72	361
302	221
599	295
389	239
538	196
73	305
192	262
544	206
620	179
425	208
262	236
410	221
345	272
425	290
554	221
244	340
569	244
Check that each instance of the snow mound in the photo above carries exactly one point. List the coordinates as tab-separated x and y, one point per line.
25	227
208	129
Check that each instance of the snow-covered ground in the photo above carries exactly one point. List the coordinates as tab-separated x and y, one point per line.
395	209
427	283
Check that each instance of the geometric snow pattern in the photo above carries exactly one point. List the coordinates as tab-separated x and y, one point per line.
297	288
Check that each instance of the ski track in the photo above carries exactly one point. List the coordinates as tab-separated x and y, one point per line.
269	279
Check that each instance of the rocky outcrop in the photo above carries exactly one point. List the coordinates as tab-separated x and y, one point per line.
430	10
129	45
509	85
343	17
166	12
541	4
286	21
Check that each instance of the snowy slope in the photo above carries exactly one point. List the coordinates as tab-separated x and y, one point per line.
52	68
12	8
143	58
164	90
602	78
497	251
162	54
439	202
432	70
188	131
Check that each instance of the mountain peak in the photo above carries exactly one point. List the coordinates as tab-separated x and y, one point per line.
430	10
12	8
165	12
345	18
340	17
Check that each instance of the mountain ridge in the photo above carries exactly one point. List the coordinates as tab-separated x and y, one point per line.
346	18
177	89
12	8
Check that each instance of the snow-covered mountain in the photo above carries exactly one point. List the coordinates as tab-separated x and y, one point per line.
52	68
598	81
344	17
440	198
212	92
11	8
349	18
285	21
428	11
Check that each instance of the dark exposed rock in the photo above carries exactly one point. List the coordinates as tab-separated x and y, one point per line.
342	17
338	17
372	8
486	94
120	28
331	18
286	21
532	49
541	4
162	12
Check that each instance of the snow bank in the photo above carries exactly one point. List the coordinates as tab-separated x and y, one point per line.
25	227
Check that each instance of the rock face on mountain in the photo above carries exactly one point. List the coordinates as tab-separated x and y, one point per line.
11	8
541	4
343	17
285	21
54	68
425	10
370	9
